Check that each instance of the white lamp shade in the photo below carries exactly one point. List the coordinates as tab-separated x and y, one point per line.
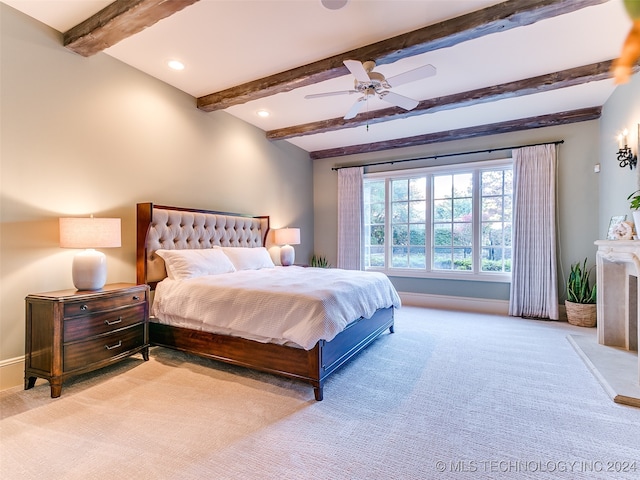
89	232
89	268
287	236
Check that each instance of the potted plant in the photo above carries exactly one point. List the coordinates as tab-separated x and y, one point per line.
319	262
634	205
581	296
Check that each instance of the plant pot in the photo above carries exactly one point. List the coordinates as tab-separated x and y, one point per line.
636	221
581	314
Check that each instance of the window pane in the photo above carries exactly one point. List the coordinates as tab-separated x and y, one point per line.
417	257
374	222
399	190
377	235
496	215
462	259
462	234
417	234
376	257
442	186
374	191
492	183
462	209
400	235
442	259
376	213
442	235
400	212
463	185
508	181
492	234
418	188
492	208
508	207
417	211
442	210
399	257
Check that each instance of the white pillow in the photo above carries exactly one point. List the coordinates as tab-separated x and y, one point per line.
183	264
247	258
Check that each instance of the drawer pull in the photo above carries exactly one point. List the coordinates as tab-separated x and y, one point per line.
84	307
119	344
115	322
136	297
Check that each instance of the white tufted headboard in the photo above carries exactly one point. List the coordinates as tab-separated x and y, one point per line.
160	226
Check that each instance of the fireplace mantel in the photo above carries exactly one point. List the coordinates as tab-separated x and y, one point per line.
618	269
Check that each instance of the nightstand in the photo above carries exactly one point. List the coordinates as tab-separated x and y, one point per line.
70	332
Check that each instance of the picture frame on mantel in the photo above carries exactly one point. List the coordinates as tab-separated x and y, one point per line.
613	223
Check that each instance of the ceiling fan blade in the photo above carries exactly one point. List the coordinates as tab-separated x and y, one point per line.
330	94
412	75
399	100
355	108
357	70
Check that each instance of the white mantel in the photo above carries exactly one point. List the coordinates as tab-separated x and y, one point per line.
618	269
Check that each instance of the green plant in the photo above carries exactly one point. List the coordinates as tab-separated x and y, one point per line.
634	204
319	262
579	289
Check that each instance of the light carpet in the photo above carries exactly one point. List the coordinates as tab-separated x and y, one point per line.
449	395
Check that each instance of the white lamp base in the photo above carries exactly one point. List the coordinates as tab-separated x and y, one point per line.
287	255
89	270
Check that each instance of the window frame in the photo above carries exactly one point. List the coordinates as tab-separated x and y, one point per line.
475	274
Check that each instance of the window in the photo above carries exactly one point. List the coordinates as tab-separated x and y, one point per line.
440	222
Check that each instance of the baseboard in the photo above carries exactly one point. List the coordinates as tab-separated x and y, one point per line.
448	302
11	372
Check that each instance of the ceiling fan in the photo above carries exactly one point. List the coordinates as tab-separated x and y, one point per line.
370	83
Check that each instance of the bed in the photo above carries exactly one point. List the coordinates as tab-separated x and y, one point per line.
164	232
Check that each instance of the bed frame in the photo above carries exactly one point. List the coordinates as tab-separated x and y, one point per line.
173	227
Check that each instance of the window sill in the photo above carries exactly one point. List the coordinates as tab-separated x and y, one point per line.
467	276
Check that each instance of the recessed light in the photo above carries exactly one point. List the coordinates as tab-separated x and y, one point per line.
175	64
263	113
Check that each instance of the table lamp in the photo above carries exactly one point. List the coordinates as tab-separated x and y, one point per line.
90	266
287	237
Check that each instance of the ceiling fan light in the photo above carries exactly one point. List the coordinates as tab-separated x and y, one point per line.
334	4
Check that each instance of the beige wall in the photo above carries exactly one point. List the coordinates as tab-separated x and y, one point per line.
92	135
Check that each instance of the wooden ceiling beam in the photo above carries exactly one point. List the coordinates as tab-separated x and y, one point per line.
562	118
496	18
543	83
117	21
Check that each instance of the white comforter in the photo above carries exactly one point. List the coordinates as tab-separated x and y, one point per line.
281	304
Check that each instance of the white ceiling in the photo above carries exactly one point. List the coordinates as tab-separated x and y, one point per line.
224	43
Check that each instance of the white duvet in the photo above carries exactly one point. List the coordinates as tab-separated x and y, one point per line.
281	305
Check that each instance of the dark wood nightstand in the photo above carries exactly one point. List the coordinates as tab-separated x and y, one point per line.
69	332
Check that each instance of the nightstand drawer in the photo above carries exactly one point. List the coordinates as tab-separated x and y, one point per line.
78	328
81	354
93	305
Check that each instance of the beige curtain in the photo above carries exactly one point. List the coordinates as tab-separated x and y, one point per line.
350	218
534	282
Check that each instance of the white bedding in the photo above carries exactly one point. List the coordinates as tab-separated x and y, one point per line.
281	305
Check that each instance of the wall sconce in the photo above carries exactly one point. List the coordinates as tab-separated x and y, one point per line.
89	268
625	155
287	237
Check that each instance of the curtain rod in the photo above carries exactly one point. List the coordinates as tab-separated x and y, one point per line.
391	162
